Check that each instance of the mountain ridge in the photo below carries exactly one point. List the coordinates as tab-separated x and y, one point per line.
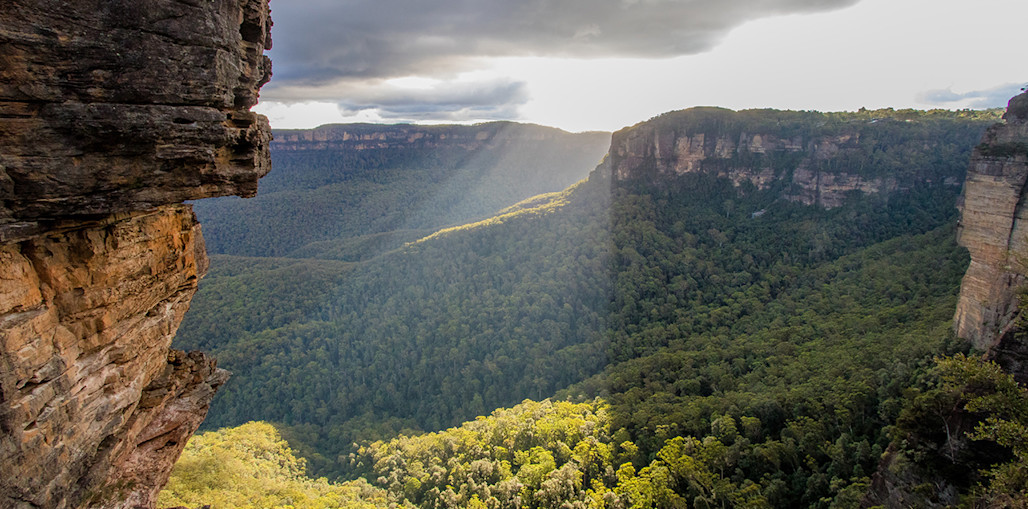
342	199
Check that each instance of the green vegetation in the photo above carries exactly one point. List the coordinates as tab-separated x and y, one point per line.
816	373
422	338
962	437
251	467
553	454
1004	403
357	203
699	354
534	454
1002	150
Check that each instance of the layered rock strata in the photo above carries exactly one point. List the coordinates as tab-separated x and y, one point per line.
665	147
115	106
111	114
994	229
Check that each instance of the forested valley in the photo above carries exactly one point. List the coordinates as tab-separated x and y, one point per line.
650	340
353	191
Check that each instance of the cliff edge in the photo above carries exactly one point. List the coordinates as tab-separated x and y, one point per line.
804	156
994	229
111	114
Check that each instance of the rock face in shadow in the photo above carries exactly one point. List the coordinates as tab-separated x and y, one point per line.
115	106
111	114
994	229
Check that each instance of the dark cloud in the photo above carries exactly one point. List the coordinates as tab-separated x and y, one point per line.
326	41
995	97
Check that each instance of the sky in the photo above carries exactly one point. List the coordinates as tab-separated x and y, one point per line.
606	64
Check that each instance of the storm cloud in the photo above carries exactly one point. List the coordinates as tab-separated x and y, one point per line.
322	42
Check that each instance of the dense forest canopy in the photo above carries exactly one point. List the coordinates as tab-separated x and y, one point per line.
250	466
708	343
355	199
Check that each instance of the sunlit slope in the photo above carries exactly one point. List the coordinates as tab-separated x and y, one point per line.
339	191
251	467
788	407
420	337
449	328
791	407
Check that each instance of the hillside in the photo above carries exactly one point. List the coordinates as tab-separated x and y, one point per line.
351	191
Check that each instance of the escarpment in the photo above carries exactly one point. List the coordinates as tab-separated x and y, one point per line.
994	229
357	137
112	114
809	157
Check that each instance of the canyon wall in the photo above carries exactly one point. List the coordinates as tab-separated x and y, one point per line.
813	158
111	114
994	229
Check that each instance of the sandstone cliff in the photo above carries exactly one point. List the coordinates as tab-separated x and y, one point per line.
111	114
994	229
812	158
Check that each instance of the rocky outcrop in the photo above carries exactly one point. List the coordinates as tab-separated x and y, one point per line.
111	113
110	107
820	159
994	229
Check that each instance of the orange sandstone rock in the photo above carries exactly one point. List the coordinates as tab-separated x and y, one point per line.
111	114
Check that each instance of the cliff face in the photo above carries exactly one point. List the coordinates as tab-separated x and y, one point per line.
815	159
994	229
120	106
111	113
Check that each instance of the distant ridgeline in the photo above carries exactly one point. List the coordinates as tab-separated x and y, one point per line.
765	282
349	191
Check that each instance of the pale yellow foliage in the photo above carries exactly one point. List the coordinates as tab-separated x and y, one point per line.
250	466
536	205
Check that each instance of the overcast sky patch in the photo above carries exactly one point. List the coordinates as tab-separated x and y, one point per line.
318	42
604	64
426	99
995	97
